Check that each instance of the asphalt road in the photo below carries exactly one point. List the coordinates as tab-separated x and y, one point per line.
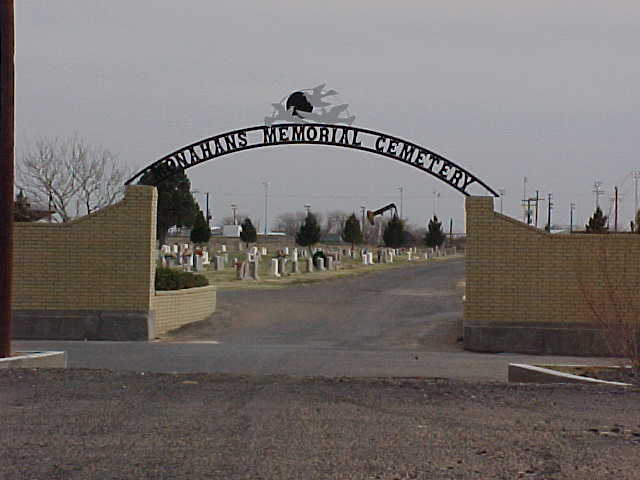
399	322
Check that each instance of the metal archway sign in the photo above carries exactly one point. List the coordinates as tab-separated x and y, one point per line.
314	134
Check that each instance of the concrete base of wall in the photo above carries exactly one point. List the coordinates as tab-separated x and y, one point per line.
83	325
35	360
535	338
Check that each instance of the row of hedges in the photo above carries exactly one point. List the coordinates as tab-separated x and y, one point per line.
171	279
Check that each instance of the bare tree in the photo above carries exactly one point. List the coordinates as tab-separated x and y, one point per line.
55	172
335	221
289	222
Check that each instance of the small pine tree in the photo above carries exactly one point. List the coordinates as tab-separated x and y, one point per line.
309	232
22	208
393	234
351	231
200	233
248	233
597	223
434	236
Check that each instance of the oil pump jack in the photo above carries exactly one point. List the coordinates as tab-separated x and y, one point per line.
372	214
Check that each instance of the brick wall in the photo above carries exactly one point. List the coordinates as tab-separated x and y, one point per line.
176	308
93	277
528	291
105	260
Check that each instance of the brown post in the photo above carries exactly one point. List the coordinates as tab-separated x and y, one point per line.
7	136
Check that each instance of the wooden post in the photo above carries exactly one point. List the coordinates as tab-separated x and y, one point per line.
7	149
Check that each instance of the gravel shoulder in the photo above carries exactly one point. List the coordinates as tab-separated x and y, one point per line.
97	424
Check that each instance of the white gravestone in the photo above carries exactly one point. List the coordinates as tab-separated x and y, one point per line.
253	269
274	268
321	264
263	251
294	267
330	263
370	258
223	248
309	265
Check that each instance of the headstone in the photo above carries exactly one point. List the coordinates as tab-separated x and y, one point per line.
309	265
321	264
365	259
197	263
295	255
370	258
226	258
253	269
223	248
282	266
329	263
274	268
218	263
253	250
263	251
175	248
409	255
286	250
205	258
241	270
294	267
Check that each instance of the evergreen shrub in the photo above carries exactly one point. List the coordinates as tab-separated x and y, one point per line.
171	279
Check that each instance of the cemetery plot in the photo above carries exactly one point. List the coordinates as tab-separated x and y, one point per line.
275	266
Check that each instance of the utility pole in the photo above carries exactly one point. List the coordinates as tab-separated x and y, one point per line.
266	202
401	199
450	230
636	177
7	152
362	207
572	207
549	207
537	200
598	191
234	208
435	202
208	213
525	203
615	209
502	193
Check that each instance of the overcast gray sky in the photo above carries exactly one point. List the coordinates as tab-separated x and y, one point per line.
506	89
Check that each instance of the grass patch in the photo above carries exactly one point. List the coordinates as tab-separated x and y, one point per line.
226	279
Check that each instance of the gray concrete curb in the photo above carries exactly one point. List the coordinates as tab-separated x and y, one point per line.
522	373
35	360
